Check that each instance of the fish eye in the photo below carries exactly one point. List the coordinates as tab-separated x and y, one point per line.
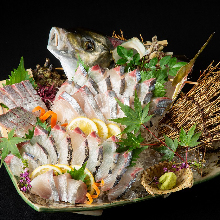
89	46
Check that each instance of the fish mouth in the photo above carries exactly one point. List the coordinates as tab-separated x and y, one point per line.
58	43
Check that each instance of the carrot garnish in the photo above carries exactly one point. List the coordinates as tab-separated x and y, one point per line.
89	198
53	117
64	125
96	189
42	110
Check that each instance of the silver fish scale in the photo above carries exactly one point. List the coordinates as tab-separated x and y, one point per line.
73	103
112	104
6	100
91	100
14	95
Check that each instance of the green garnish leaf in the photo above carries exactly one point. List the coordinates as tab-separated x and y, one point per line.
168	153
80	61
4	106
134	117
78	174
19	75
131	143
189	139
165	60
9	145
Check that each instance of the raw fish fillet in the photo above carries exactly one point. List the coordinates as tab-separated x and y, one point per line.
125	183
114	177
95	152
76	191
18	119
41	137
61	185
44	186
63	145
40	154
110	158
15	164
80	146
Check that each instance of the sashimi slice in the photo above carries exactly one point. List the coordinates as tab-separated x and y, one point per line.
41	137
113	105
159	105
131	80
76	190
97	73
61	185
5	99
28	101
65	113
44	186
117	80
79	145
32	162
15	164
102	102
113	178
17	99
80	76
63	144
67	86
110	158
88	103
95	152
125	183
37	99
38	151
146	87
73	102
18	119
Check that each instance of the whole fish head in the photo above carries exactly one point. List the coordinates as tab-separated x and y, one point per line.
69	47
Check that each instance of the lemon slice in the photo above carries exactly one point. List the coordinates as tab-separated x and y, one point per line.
64	167
89	178
113	130
102	128
85	124
43	169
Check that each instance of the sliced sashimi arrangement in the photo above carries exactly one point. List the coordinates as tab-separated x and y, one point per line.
87	140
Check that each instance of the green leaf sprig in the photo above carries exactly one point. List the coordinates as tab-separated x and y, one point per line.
187	139
161	69
134	117
128	58
9	145
19	75
79	174
133	120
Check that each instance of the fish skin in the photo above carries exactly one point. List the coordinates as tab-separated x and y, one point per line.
95	149
32	163
40	154
63	144
113	178
124	184
19	119
13	95
112	104
91	47
75	105
110	158
6	100
41	137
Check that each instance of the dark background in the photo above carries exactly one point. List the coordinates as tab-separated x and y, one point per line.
186	25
